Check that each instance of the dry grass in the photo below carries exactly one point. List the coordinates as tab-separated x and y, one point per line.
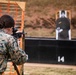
44	70
40	32
40	6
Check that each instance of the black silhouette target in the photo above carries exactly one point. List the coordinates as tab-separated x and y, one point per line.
64	24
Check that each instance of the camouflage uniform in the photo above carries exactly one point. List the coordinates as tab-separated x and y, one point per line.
9	44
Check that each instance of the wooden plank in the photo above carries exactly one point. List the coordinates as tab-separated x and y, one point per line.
21	4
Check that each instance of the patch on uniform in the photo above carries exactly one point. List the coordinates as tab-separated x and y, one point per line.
60	22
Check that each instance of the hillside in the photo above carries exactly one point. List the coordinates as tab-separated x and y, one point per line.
40	16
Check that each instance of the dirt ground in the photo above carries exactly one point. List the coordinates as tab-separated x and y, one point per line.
48	69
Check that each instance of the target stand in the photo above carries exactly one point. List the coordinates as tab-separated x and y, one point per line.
63	21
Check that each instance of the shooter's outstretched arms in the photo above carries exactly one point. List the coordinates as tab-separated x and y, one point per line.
17	34
17	55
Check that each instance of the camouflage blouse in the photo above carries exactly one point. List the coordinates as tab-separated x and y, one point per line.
9	44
